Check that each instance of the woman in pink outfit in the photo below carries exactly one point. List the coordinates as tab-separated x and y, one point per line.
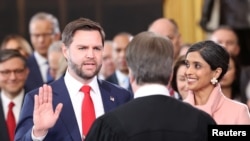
206	63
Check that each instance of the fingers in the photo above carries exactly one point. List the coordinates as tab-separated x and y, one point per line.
40	95
49	90
44	94
58	109
36	105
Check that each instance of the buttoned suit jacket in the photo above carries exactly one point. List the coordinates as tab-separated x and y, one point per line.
66	127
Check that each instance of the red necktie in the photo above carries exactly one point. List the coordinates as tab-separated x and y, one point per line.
88	111
11	123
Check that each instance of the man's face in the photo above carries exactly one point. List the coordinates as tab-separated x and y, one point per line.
165	28
42	35
227	39
54	59
84	55
108	66
13	77
119	52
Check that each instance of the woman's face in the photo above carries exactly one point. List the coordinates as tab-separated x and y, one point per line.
181	81
198	72
229	77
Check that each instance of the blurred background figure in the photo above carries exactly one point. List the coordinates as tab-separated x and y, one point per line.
13	74
178	82
120	76
230	83
168	28
44	29
56	60
227	38
232	13
15	41
184	49
248	95
62	68
108	66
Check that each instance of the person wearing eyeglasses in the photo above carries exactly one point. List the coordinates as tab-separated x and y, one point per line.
12	80
43	29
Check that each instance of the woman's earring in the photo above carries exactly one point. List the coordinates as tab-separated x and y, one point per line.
214	81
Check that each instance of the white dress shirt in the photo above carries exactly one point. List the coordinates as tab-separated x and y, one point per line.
76	97
151	89
43	65
17	101
123	80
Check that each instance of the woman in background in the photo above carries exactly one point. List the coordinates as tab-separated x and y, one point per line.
14	41
178	82
230	83
207	63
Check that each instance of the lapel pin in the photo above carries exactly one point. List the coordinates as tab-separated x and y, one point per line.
112	98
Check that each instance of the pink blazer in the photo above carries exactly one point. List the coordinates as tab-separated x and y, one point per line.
222	109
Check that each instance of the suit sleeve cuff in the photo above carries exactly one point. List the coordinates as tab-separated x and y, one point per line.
34	138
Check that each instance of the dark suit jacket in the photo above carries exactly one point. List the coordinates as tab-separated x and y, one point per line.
66	127
34	79
152	118
113	79
3	127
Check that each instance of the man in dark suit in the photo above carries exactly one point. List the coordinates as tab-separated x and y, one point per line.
58	116
12	80
44	29
120	76
153	115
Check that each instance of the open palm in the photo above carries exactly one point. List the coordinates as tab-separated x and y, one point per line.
44	116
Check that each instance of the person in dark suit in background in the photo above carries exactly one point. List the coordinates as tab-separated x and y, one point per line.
153	115
44	29
83	46
120	76
12	80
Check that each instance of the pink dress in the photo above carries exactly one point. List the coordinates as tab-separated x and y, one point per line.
222	109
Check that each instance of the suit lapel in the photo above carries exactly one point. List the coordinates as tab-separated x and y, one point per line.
67	115
35	73
3	130
108	98
115	79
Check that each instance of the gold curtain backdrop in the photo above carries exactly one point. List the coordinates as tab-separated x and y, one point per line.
187	14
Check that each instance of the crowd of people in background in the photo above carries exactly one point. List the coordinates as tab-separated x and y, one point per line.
43	80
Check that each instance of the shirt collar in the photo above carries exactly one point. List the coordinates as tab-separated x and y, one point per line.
74	85
40	59
121	76
151	89
17	100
